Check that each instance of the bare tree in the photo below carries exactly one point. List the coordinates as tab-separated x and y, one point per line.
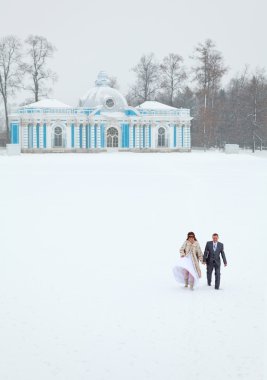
257	92
113	82
147	81
208	73
246	107
10	71
39	51
172	76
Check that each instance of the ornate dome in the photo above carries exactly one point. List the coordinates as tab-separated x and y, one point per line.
103	95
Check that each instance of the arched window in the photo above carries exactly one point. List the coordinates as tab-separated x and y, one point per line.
161	137
112	138
58	137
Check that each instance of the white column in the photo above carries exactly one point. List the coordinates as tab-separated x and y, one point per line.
153	136
187	136
83	137
68	135
34	145
76	135
48	135
170	144
147	135
24	135
179	136
98	136
92	135
131	137
140	136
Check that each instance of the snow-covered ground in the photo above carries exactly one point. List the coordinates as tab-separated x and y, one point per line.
87	246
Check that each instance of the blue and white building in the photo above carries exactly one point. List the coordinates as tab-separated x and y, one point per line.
102	121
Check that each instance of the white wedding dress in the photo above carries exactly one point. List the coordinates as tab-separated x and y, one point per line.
185	263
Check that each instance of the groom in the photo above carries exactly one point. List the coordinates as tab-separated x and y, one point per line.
212	258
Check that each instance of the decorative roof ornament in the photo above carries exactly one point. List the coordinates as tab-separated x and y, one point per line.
102	79
102	95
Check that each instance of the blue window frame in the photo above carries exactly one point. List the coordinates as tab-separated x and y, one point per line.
102	135
95	129
30	136
72	136
88	136
38	135
14	133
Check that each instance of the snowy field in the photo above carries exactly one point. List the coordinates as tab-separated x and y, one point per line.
88	242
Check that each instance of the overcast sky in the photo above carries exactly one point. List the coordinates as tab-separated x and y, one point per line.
112	35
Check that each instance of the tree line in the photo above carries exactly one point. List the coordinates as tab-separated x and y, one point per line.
231	112
24	66
235	112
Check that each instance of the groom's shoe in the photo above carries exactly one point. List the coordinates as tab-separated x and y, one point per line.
209	284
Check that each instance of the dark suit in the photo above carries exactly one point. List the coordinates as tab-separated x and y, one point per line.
213	260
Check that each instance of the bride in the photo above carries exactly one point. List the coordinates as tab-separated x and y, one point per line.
187	270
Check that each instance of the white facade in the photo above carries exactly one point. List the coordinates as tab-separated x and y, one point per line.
102	121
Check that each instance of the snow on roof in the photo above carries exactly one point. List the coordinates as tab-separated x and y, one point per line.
115	115
47	103
153	105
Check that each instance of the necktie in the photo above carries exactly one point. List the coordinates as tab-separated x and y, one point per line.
214	247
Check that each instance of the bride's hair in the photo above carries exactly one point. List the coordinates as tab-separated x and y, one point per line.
191	234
